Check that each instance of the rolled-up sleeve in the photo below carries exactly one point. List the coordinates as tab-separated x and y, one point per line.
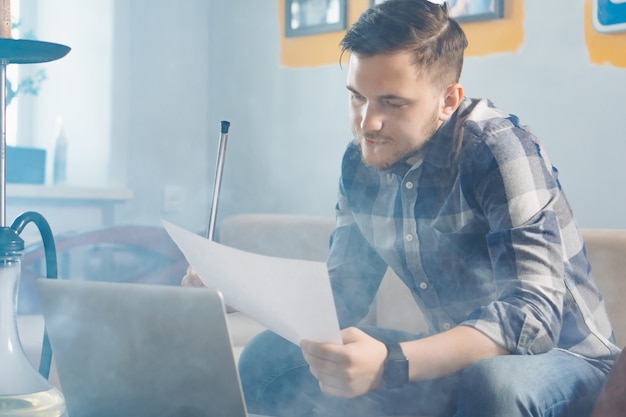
519	194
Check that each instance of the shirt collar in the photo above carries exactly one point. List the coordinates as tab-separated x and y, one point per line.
443	148
437	151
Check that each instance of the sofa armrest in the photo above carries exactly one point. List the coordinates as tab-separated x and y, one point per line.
606	249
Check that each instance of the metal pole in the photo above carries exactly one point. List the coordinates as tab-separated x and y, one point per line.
3	141
218	177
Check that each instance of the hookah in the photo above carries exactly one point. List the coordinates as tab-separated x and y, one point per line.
23	390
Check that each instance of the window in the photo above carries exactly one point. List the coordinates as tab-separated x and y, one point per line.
76	89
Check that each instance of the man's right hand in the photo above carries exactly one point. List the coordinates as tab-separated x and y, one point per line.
191	279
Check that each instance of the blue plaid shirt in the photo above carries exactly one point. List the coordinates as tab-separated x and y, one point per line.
481	233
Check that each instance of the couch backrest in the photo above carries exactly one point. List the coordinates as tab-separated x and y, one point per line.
282	235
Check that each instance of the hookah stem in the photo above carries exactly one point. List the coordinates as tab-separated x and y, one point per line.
3	141
218	177
51	272
5	32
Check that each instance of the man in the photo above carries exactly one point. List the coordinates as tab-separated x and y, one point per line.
463	204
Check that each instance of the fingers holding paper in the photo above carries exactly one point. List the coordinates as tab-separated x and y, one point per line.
349	370
192	279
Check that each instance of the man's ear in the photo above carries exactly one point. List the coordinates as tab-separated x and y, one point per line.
451	100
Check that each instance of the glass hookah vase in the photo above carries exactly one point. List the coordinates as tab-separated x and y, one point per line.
23	390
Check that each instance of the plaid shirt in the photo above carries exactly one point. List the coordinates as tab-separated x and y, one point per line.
481	233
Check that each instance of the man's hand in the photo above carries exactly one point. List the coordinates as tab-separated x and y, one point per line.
191	279
349	370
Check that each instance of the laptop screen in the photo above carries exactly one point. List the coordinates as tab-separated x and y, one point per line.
141	350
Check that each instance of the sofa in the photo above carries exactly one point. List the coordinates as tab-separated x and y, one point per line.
306	237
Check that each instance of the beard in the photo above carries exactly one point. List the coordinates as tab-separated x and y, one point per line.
382	152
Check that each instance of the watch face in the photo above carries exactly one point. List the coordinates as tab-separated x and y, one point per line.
396	372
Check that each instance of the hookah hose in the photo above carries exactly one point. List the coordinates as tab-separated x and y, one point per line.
51	272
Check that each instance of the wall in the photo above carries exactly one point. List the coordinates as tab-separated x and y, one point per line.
218	61
161	112
179	74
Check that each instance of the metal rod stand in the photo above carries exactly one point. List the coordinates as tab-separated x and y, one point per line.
218	177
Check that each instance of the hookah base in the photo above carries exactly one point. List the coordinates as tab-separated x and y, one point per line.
38	404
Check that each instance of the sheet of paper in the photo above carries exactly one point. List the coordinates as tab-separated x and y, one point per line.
293	298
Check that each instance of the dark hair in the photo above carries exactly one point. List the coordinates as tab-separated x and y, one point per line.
420	26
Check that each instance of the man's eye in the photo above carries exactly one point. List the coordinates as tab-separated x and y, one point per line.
358	98
394	103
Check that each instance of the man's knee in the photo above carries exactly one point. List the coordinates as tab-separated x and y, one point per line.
552	383
487	386
264	362
264	355
276	379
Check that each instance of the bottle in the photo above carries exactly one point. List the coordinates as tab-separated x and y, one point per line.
59	171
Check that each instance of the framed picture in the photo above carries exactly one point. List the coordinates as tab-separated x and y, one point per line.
609	15
308	17
470	10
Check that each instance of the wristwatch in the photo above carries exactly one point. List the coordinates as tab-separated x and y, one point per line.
396	371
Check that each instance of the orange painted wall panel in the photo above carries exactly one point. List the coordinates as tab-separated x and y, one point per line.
486	37
604	48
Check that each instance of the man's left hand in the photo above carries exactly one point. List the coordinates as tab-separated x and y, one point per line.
349	370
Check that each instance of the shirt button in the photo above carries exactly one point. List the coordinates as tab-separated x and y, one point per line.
446	326
409	237
423	285
408	185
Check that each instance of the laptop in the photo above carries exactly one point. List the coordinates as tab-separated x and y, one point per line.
141	350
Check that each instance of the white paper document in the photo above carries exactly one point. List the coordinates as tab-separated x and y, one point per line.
293	298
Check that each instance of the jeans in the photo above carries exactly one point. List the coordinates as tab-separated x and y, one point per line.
276	382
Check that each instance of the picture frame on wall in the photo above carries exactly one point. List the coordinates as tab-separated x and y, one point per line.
470	10
310	17
609	15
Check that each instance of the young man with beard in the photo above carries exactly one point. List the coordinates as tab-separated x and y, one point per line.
462	202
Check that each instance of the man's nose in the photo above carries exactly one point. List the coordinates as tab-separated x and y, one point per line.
371	120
